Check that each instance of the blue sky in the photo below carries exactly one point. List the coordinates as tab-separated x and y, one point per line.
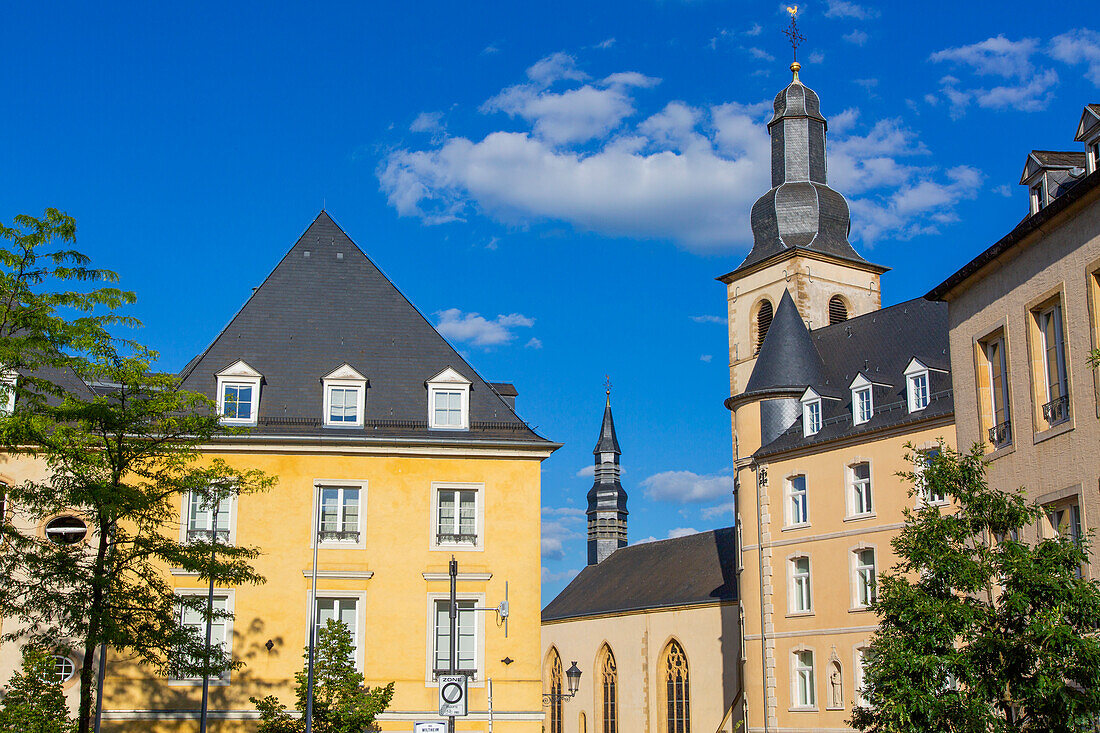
555	184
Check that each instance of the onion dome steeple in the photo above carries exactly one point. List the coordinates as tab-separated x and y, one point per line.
607	497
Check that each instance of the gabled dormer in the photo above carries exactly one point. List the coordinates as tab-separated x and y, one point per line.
918	385
863	399
1049	173
345	397
448	401
239	394
812	419
1088	132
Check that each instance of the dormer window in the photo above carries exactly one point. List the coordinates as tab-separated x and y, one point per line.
448	401
345	398
811	413
239	394
1038	195
917	386
863	406
1093	156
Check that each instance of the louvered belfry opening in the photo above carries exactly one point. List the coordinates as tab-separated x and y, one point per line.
838	312
763	322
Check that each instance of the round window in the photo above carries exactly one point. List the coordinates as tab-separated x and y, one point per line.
66	530
63	670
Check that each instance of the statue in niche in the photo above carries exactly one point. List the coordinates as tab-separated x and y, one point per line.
836	686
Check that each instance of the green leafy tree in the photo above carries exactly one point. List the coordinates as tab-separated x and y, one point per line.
33	701
341	701
121	447
981	632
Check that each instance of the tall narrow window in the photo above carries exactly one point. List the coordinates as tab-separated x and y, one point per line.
554	677
838	312
1094	156
1038	195
1056	409
344	610
457	517
804	692
799	505
929	493
1000	431
202	525
763	323
339	520
677	702
811	417
918	391
860	673
861	405
467	637
865	578
861	489
194	620
609	692
800	585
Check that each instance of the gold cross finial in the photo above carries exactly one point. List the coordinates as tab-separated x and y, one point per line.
795	38
607	382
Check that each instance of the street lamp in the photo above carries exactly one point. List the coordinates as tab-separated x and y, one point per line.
572	682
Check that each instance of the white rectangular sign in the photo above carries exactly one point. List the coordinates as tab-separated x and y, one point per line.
433	726
452	694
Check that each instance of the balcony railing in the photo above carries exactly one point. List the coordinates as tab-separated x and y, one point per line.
206	535
451	538
1056	410
338	535
1000	434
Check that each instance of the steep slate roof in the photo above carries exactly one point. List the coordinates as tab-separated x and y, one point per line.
699	568
787	357
608	442
880	345
326	304
1051	159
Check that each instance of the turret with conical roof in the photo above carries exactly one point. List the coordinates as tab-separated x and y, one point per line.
607	498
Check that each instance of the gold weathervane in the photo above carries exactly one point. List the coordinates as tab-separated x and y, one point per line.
795	38
607	383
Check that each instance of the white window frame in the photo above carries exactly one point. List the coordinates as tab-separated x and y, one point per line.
791	500
479	513
1093	157
8	380
913	373
230	599
925	497
800	671
861	386
859	652
812	419
449	380
61	659
479	631
1053	314
1038	195
239	374
858	577
360	598
361	485
185	518
855	494
345	377
797	591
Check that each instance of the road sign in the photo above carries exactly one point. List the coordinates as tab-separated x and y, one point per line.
433	726
452	694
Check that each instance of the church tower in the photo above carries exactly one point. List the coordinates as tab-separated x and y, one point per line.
800	240
607	498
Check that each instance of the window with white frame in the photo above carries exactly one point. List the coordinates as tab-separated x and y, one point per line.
801	601
457	516
194	620
860	674
862	405
206	521
345	398
339	513
918	391
8	381
344	610
797	500
803	682
929	494
1094	156
861	489
449	401
1038	195
466	645
63	670
239	394
1056	409
811	417
865	579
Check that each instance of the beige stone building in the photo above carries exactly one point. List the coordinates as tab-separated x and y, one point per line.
827	389
653	628
1024	316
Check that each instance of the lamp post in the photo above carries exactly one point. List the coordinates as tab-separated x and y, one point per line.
573	683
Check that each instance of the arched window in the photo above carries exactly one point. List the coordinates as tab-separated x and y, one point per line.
554	676
838	311
582	723
763	323
608	680
677	708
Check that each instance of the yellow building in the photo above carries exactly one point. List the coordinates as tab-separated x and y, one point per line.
826	390
378	430
1024	317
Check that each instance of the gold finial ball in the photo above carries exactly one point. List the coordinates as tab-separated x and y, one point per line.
794	68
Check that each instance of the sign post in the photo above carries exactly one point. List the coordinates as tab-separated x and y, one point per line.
431	726
452	695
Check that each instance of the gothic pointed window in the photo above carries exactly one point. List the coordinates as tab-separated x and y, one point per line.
609	692
763	323
554	674
838	311
677	708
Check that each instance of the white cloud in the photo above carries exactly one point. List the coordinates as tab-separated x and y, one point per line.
685	487
760	54
844	121
473	328
842	9
1003	190
1027	87
857	37
1081	45
918	207
708	319
631	79
644	540
706	358
681	532
755	30
534	343
606	43
996	56
718	510
587	471
572	116
490	50
549	576
427	122
558	66
560	525
816	57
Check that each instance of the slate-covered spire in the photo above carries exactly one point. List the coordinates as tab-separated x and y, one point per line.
607	498
788	358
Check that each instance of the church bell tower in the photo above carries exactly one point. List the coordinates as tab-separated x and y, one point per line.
607	498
